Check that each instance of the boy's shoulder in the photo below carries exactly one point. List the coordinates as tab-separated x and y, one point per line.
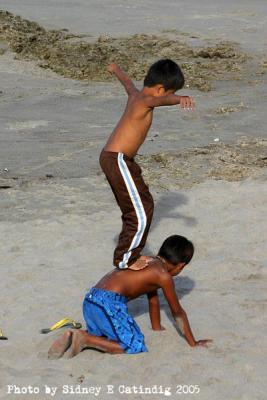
156	268
139	97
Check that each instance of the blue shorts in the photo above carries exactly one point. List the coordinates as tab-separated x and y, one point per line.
106	314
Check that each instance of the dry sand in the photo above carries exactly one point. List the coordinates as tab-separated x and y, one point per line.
59	221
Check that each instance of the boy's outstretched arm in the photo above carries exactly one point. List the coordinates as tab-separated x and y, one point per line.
154	311
123	78
185	102
179	314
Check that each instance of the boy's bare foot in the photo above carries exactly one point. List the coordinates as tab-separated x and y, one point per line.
59	347
141	263
78	343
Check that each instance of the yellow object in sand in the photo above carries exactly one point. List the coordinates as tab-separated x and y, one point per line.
65	322
2	336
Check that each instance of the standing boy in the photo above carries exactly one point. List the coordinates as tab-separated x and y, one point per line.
124	175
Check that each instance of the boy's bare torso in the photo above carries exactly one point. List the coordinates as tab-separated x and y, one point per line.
132	129
132	284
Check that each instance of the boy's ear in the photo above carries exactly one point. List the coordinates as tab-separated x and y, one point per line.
180	266
160	90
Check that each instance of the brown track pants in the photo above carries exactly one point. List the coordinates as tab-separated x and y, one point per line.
135	201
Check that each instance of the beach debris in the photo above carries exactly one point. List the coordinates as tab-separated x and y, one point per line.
77	57
183	169
264	64
262	67
81	378
65	322
2	336
216	140
10	182
5	187
230	109
5	169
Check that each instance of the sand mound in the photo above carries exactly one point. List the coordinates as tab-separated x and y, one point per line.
74	57
183	169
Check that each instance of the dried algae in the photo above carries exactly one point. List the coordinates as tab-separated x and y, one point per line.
230	109
173	170
185	168
75	57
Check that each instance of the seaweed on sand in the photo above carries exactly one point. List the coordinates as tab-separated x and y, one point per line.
77	57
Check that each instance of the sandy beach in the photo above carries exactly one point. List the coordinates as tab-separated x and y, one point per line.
206	170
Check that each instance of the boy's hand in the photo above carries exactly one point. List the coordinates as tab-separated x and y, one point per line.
112	67
187	103
203	343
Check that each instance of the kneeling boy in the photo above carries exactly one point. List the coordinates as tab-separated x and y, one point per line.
110	328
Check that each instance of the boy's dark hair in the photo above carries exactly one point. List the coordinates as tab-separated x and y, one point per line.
167	73
177	249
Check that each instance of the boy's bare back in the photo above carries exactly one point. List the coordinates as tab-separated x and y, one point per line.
132	129
141	282
158	274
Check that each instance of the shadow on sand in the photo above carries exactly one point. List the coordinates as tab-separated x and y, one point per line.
183	286
166	208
